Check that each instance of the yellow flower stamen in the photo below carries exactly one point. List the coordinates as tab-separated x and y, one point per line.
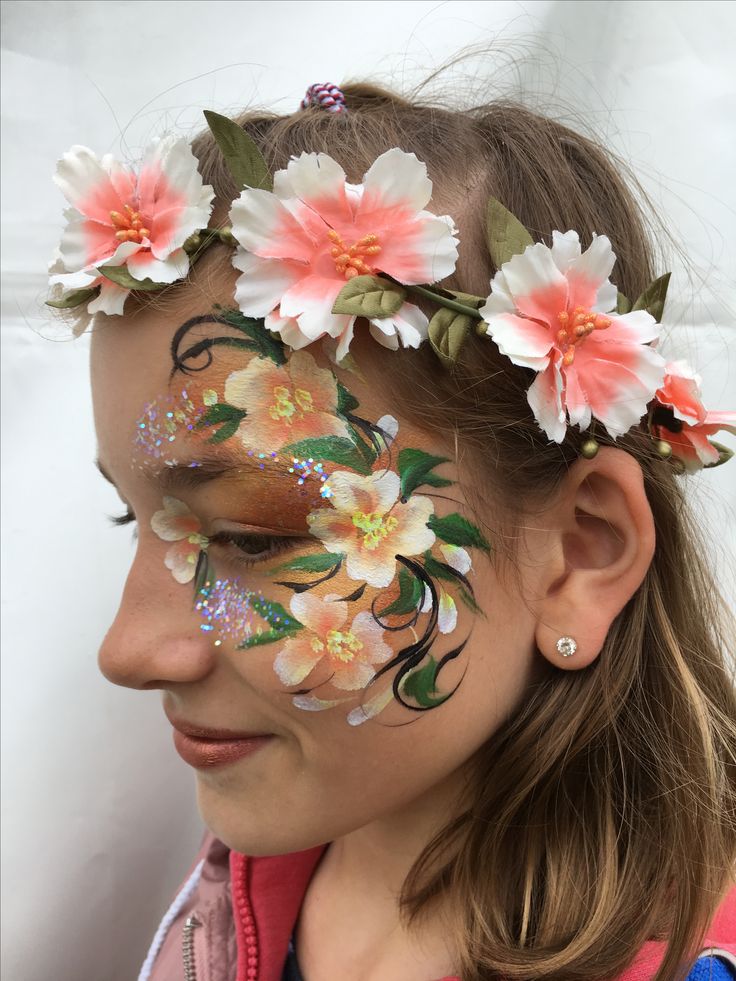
376	527
350	260
129	226
574	329
288	404
343	644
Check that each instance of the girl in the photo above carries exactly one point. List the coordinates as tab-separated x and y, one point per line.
414	570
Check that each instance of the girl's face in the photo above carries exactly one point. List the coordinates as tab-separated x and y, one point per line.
294	539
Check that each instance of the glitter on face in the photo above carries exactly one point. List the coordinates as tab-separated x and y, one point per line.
229	609
163	421
308	468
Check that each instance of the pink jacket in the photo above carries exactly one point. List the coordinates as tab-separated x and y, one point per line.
232	918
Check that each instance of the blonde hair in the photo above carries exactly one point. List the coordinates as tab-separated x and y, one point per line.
604	811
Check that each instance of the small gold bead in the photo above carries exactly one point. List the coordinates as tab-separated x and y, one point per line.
589	448
664	449
481	328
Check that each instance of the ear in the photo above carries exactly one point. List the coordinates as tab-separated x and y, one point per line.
601	542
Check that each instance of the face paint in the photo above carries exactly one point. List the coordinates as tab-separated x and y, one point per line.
403	568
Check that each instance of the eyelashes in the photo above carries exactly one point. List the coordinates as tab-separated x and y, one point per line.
246	549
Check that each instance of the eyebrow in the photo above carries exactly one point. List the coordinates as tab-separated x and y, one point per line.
191	476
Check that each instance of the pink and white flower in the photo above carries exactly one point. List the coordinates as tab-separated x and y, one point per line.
350	653
371	525
553	310
119	217
285	404
177	523
302	242
692	424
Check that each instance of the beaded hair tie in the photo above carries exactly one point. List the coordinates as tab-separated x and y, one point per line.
324	95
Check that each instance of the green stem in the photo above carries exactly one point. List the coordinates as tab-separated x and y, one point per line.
444	301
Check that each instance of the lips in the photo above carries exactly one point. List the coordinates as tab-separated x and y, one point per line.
204	732
204	753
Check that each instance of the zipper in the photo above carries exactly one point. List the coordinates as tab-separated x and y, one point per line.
246	922
190	969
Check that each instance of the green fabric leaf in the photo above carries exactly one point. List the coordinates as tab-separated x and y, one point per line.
369	296
312	563
415	468
410	592
265	342
623	304
74	299
335	449
121	276
243	158
724	455
653	297
457	530
505	235
448	331
419	685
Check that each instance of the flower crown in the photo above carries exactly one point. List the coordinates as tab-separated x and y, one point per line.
316	252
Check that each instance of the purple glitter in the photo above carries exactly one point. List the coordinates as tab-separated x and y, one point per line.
162	422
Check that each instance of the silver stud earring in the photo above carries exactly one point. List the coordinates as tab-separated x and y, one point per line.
566	646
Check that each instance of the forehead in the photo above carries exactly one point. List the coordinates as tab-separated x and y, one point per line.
135	382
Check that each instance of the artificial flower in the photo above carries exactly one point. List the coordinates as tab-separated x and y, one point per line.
284	404
371	525
349	652
120	217
553	310
176	523
690	423
302	242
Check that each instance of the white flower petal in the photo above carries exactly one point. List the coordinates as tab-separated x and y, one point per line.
565	249
110	300
319	182
395	179
144	265
457	558
447	613
409	323
263	224
264	281
544	397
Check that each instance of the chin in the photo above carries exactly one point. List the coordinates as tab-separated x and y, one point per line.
246	827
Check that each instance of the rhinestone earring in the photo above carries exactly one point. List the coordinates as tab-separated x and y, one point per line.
566	646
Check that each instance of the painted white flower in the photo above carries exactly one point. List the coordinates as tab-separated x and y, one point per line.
302	242
120	217
177	523
553	310
369	523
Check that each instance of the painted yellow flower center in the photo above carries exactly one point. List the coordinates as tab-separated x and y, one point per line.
376	527
289	404
129	226
350	260
575	328
342	644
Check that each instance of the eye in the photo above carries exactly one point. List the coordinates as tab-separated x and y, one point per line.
251	548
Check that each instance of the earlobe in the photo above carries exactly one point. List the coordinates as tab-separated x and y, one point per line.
602	544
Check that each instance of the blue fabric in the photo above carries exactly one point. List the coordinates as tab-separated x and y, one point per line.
291	970
711	969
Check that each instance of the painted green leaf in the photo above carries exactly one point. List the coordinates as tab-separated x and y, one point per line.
227	417
346	401
623	304
419	685
243	158
457	530
312	563
264	342
121	276
410	592
74	299
439	570
201	574
505	235
281	622
269	637
415	469
448	331
724	455
369	296
335	449
653	297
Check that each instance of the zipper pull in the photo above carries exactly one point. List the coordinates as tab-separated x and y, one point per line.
190	970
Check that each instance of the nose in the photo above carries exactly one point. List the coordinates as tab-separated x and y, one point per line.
155	640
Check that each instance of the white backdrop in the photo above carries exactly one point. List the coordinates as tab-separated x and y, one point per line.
99	818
